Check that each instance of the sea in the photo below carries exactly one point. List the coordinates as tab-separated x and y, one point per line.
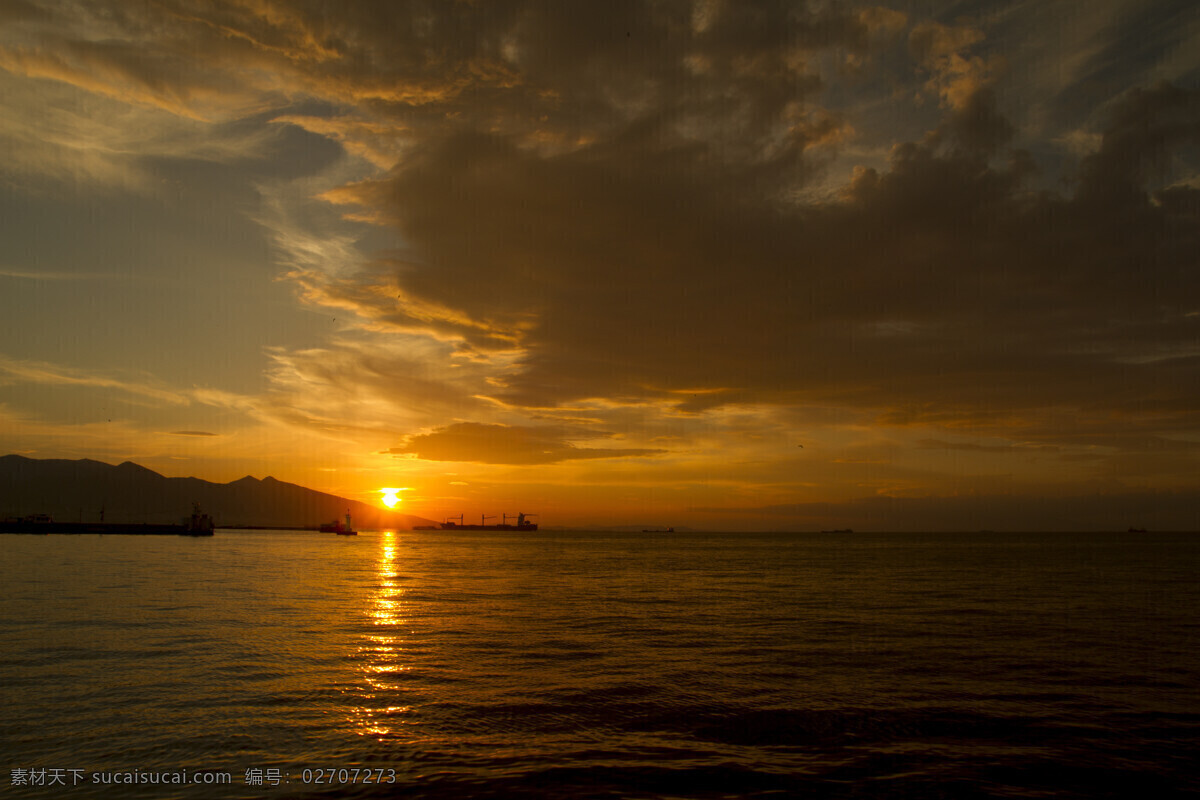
576	664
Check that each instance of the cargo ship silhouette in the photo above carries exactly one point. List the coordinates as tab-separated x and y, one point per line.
521	524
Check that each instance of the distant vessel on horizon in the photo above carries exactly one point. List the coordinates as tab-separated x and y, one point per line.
199	523
839	530
340	528
658	530
522	524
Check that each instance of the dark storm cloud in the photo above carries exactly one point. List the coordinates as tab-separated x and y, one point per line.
18	10
502	444
1147	128
541	69
645	263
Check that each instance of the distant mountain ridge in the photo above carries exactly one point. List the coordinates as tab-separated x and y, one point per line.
73	491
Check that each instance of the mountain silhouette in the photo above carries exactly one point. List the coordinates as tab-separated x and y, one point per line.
79	491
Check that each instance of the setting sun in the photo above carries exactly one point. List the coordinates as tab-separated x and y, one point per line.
389	497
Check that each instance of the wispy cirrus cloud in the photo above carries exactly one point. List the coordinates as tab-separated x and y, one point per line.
50	275
503	444
20	371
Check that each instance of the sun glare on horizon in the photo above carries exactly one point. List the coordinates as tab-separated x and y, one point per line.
390	499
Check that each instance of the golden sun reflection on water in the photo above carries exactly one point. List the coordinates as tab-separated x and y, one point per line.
380	657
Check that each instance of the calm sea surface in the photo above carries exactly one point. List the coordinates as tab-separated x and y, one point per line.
601	665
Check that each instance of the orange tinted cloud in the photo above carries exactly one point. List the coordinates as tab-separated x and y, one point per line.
501	444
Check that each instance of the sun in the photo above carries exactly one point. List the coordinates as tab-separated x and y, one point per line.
389	497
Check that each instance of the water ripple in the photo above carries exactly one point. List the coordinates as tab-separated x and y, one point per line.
606	665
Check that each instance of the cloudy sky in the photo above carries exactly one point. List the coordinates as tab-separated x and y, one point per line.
731	265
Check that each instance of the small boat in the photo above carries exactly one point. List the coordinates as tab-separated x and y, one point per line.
658	530
341	529
198	524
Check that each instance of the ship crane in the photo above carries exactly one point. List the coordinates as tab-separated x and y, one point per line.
483	518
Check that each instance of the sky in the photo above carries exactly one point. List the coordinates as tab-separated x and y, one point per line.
725	265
